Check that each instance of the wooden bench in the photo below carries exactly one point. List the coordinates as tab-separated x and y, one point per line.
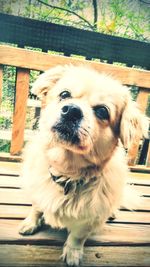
26	60
125	241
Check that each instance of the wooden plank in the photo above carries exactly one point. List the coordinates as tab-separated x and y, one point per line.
1	82
148	157
22	88
14	211
112	234
142	100
4	156
48	256
139	172
41	61
140	168
19	196
45	236
21	212
6	180
10	181
139	176
133	153
14	196
10	168
143	190
133	217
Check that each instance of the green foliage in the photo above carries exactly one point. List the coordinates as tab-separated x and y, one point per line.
7	97
125	18
116	17
4	146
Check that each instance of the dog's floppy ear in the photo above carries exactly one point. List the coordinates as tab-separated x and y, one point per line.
133	124
47	80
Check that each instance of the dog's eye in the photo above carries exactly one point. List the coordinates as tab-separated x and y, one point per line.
102	112
65	94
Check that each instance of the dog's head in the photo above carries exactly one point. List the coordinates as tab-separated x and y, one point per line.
87	112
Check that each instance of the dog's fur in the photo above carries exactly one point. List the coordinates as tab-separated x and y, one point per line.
93	148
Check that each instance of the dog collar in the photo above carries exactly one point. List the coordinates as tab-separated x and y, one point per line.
69	185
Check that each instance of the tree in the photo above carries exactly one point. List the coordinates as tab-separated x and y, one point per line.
127	18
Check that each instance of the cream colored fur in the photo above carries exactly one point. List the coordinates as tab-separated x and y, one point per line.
100	154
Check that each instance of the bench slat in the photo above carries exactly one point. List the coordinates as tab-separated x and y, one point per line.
20	196
41	61
141	181
14	196
113	234
138	172
21	212
94	256
10	168
22	89
10	181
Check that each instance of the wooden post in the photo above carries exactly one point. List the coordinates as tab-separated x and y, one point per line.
22	89
142	100
148	157
1	82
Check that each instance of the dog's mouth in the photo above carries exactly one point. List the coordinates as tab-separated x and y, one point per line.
68	126
67	131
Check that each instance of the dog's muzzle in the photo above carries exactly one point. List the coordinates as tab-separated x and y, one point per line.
68	125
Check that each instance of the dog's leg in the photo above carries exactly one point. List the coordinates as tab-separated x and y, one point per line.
73	248
31	224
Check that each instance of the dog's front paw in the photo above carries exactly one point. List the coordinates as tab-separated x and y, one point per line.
29	227
72	256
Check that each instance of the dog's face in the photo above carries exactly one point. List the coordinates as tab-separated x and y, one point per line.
86	112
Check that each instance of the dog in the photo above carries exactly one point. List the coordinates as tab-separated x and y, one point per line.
75	169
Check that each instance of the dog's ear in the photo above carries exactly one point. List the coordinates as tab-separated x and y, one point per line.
47	80
133	124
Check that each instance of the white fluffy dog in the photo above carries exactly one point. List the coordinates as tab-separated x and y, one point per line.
75	169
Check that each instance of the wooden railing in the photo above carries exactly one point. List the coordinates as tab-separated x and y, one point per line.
26	60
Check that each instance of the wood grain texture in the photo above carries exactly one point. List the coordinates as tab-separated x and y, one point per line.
14	196
8	181
22	88
10	168
142	100
140	168
148	156
126	217
14	211
48	256
142	177
138	172
41	61
5	156
127	235
18	196
10	192
112	234
1	82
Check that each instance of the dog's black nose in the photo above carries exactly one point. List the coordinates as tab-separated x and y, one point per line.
71	113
